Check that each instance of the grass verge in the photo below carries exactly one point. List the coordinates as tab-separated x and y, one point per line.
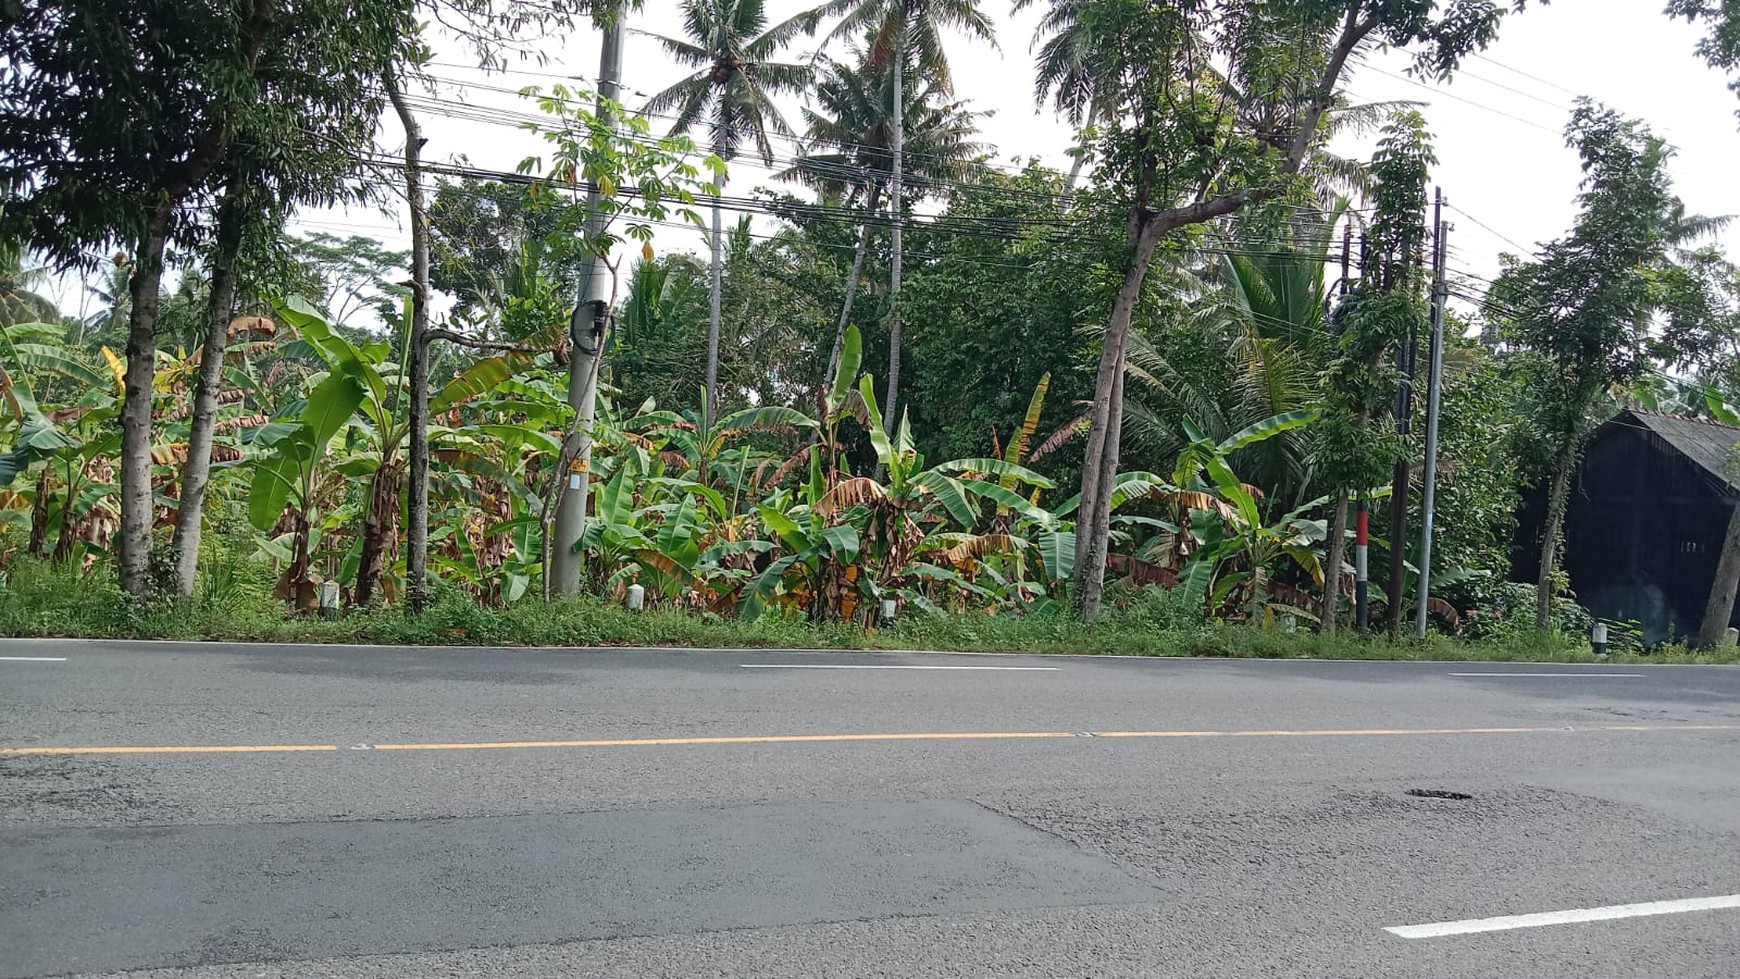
41	600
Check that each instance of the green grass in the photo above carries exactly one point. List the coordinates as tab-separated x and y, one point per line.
42	600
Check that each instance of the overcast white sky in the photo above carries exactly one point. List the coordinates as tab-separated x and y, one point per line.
1497	126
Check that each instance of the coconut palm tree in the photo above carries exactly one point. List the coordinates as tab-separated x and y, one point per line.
1065	68
903	29
18	304
730	46
850	131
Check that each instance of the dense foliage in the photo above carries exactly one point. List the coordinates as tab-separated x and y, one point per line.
1157	378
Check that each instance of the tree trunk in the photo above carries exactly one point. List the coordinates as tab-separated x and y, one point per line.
896	141
1332	561
1550	539
196	470
137	511
1105	420
1719	610
715	282
1099	525
63	539
39	515
417	506
380	514
851	288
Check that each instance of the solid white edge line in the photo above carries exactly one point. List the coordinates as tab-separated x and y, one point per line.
888	666
1551	674
34	659
1507	922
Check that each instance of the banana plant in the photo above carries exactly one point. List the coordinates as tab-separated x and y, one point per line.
1237	550
291	481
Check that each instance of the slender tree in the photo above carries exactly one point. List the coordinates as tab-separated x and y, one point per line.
1585	305
850	131
1211	108
730	45
295	145
905	30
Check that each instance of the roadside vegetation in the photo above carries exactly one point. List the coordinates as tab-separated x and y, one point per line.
1129	409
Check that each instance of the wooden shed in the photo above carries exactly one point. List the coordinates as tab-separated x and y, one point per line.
1645	521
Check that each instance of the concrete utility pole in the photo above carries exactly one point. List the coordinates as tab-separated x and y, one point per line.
1434	397
586	331
1406	357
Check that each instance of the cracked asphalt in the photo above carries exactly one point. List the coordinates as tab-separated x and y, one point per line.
558	813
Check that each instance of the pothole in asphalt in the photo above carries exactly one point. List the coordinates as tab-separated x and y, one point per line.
1444	794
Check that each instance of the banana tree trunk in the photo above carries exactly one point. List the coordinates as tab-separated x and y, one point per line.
1719	610
1550	538
851	287
137	511
196	470
39	515
1337	553
378	520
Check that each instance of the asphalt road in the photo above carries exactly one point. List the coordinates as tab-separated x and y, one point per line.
229	811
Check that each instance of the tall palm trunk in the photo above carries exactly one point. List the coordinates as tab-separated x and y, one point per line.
715	283
852	285
896	142
1556	498
1075	168
196	471
144	289
417	505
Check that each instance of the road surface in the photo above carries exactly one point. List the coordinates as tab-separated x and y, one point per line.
227	811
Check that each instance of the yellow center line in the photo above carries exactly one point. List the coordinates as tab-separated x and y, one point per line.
175	749
823	738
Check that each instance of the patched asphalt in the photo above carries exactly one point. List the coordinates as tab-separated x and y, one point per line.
1263	825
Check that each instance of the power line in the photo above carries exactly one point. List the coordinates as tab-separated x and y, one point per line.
1451	95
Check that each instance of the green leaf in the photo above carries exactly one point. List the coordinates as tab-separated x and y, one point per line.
1057	553
998	467
756	595
1011	499
616	502
270	492
951	494
766	416
478	379
1720	410
846	373
840	542
878	438
725	549
330	405
1267	428
785	528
